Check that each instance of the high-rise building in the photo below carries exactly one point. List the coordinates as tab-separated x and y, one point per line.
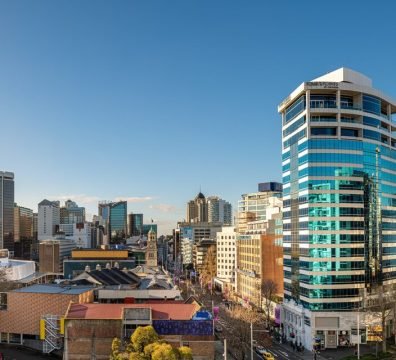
254	206
71	214
226	258
48	219
23	231
7	211
259	244
197	209
339	206
114	215
219	210
135	224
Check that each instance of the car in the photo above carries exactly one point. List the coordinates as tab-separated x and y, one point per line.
267	356
260	349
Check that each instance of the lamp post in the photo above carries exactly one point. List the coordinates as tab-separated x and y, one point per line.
251	341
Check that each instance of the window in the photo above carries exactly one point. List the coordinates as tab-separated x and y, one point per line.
3	301
294	109
324	131
373	135
371	104
349	132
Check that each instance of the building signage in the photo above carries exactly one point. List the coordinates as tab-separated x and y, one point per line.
323	84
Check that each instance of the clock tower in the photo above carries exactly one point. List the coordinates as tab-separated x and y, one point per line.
151	251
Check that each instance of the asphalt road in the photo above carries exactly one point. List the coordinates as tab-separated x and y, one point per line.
11	352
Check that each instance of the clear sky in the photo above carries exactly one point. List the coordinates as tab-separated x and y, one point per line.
151	100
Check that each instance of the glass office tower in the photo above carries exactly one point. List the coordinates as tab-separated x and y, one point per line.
7	211
339	203
114	216
135	224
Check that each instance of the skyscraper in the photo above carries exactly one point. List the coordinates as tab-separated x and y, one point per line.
219	210
197	209
71	214
114	214
259	243
48	219
135	223
339	204
23	231
7	210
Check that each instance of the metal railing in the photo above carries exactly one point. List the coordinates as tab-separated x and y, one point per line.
52	340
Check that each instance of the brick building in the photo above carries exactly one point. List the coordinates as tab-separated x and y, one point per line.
21	310
90	328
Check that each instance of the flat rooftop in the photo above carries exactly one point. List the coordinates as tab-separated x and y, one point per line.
55	289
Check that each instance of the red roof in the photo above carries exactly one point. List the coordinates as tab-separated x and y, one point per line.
162	311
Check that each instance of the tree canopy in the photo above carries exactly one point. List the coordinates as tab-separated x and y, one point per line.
145	344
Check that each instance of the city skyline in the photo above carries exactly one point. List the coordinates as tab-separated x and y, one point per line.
90	89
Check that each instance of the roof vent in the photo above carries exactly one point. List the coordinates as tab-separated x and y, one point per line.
87	268
116	265
98	267
108	267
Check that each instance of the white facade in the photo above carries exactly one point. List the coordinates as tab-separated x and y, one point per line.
187	251
219	210
82	235
48	219
16	269
226	253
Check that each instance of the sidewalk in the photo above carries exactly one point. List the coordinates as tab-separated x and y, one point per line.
305	355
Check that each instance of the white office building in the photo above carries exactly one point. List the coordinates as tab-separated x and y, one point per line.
226	258
48	219
339	207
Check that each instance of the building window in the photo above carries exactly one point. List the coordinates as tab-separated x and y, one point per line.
3	301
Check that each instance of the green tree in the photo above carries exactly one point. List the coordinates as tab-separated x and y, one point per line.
164	352
115	349
185	353
145	344
136	356
209	267
143	336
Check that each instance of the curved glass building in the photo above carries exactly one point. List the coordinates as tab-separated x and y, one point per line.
339	204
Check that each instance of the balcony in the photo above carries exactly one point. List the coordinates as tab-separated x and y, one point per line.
323	104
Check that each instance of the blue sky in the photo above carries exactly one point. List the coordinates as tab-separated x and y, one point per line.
149	100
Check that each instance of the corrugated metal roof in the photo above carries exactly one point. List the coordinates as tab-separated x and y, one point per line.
160	311
55	289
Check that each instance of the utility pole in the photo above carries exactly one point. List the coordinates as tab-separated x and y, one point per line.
358	336
251	341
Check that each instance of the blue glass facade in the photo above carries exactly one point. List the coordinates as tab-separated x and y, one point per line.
339	188
118	220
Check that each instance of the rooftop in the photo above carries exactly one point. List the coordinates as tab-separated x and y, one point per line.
160	311
345	75
54	289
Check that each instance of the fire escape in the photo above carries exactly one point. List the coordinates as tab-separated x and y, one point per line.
52	338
